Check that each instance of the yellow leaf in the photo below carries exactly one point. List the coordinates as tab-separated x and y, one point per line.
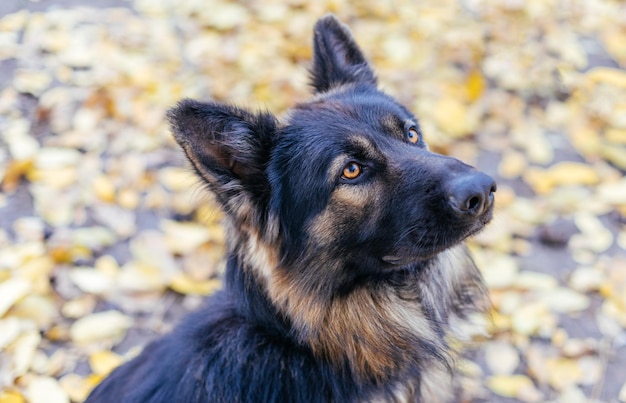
12	291
566	173
573	173
185	237
24	350
563	372
78	307
100	326
499	322
538	180
614	135
564	300
615	154
103	188
103	362
129	199
500	271
607	75
8	396
91	280
614	40
14	172
594	235
184	284
49	158
42	310
31	81
10	329
139	277
43	389
512	165
475	85
177	179
585	139
530	318
501	358
77	387
453	117
509	385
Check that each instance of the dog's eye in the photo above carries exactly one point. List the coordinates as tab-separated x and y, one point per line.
352	170
413	135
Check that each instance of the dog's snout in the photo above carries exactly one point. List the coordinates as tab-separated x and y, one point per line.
472	195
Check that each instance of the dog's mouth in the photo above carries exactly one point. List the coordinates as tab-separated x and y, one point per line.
408	255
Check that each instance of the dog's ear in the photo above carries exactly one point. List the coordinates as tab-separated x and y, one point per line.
337	58
228	146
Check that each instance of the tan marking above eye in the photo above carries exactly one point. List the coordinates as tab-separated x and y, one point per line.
413	135
352	170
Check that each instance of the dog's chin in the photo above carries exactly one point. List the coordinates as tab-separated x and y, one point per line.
408	255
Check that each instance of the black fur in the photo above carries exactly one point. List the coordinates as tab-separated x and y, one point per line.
337	289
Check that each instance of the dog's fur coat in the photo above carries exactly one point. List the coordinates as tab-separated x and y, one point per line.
346	266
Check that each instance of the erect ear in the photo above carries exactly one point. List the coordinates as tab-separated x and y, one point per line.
228	146
337	58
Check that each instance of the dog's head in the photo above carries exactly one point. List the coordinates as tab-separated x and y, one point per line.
344	181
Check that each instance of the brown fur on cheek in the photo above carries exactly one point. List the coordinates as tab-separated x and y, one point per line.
349	206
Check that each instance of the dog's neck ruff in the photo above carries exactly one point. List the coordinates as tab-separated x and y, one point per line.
380	333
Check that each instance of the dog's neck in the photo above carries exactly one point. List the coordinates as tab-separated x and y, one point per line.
379	332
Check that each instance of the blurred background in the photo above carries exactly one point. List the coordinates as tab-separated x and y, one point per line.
106	238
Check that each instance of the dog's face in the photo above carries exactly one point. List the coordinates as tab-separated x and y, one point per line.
345	180
354	177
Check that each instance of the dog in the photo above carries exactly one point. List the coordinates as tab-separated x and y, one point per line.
346	268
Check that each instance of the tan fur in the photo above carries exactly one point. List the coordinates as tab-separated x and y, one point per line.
347	206
373	329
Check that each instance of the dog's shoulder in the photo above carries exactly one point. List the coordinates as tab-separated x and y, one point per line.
219	355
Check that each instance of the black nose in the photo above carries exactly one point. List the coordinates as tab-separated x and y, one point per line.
471	195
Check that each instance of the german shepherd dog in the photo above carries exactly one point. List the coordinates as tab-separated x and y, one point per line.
346	267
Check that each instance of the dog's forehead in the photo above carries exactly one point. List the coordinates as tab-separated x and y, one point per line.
349	112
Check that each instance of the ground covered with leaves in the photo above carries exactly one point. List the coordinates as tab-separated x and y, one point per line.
106	238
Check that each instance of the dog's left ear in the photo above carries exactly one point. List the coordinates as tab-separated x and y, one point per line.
337	59
228	146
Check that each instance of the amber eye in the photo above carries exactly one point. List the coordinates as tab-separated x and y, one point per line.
413	135
352	170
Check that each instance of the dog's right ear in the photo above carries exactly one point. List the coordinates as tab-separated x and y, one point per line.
229	147
337	59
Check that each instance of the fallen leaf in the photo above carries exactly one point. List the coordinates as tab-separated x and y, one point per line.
42	389
91	280
103	362
186	285
500	271
531	318
586	279
511	386
24	349
11	291
77	387
184	237
563	372
8	396
100	326
31	81
138	277
502	358
9	330
565	300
